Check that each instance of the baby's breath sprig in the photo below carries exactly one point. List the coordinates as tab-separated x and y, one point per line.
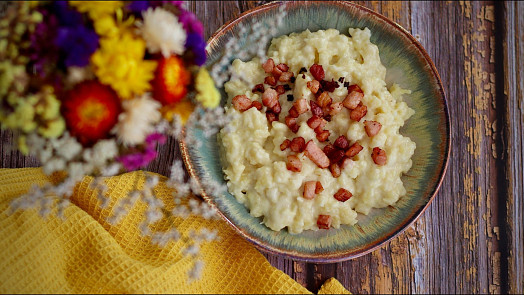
252	41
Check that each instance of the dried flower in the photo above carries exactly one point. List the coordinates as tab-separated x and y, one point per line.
207	94
91	110
77	44
162	32
171	80
97	9
137	119
196	45
119	63
191	23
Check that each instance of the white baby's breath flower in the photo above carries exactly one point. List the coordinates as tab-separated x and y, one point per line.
162	32
137	120
54	164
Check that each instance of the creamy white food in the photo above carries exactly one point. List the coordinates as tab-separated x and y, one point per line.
254	165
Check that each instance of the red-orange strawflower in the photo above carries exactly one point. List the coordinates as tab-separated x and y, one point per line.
90	109
171	80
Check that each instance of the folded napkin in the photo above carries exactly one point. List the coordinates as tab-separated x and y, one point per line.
84	254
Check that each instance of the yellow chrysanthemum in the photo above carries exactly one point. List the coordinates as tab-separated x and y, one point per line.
119	63
183	108
97	9
110	25
207	93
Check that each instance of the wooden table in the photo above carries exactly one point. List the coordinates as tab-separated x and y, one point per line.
471	238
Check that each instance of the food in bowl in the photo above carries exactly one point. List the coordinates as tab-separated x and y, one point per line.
314	138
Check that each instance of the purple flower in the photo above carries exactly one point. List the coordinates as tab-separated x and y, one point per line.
178	4
142	159
77	44
66	15
138	6
190	22
42	53
154	138
197	46
138	160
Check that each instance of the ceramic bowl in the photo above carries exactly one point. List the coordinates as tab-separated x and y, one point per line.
408	65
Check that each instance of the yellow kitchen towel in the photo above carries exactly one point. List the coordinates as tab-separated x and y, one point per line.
83	253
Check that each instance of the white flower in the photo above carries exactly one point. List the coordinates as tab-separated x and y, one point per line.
53	165
137	120
162	32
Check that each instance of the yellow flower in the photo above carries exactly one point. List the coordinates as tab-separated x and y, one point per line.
97	9
109	26
183	108
119	63
207	94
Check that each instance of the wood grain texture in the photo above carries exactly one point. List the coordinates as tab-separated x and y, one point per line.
471	238
513	95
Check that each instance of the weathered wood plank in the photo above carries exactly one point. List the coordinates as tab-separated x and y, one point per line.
513	60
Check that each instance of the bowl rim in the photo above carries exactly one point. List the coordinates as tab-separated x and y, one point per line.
345	254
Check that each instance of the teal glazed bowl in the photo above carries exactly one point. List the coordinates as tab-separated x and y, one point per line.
408	65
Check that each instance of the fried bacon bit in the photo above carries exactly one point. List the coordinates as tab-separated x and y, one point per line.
327	117
315	154
342	195
316	109
324	221
301	106
293	113
329	86
328	149
241	103
309	190
335	156
346	162
283	67
315	122
313	85
323	135
285	144
298	144
280	89
346	84
354	149
268	65
302	70
341	79
379	156
359	112
276	72
292	124
354	87
335	108
257	105
271	117
292	80
324	99
335	170
276	108
317	71
270	80
352	99
342	142
290	97
293	163
258	88
372	127
270	98
318	187
285	77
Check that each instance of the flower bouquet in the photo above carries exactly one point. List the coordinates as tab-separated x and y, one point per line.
93	88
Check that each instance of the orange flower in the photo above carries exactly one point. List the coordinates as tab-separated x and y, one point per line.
91	110
171	80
